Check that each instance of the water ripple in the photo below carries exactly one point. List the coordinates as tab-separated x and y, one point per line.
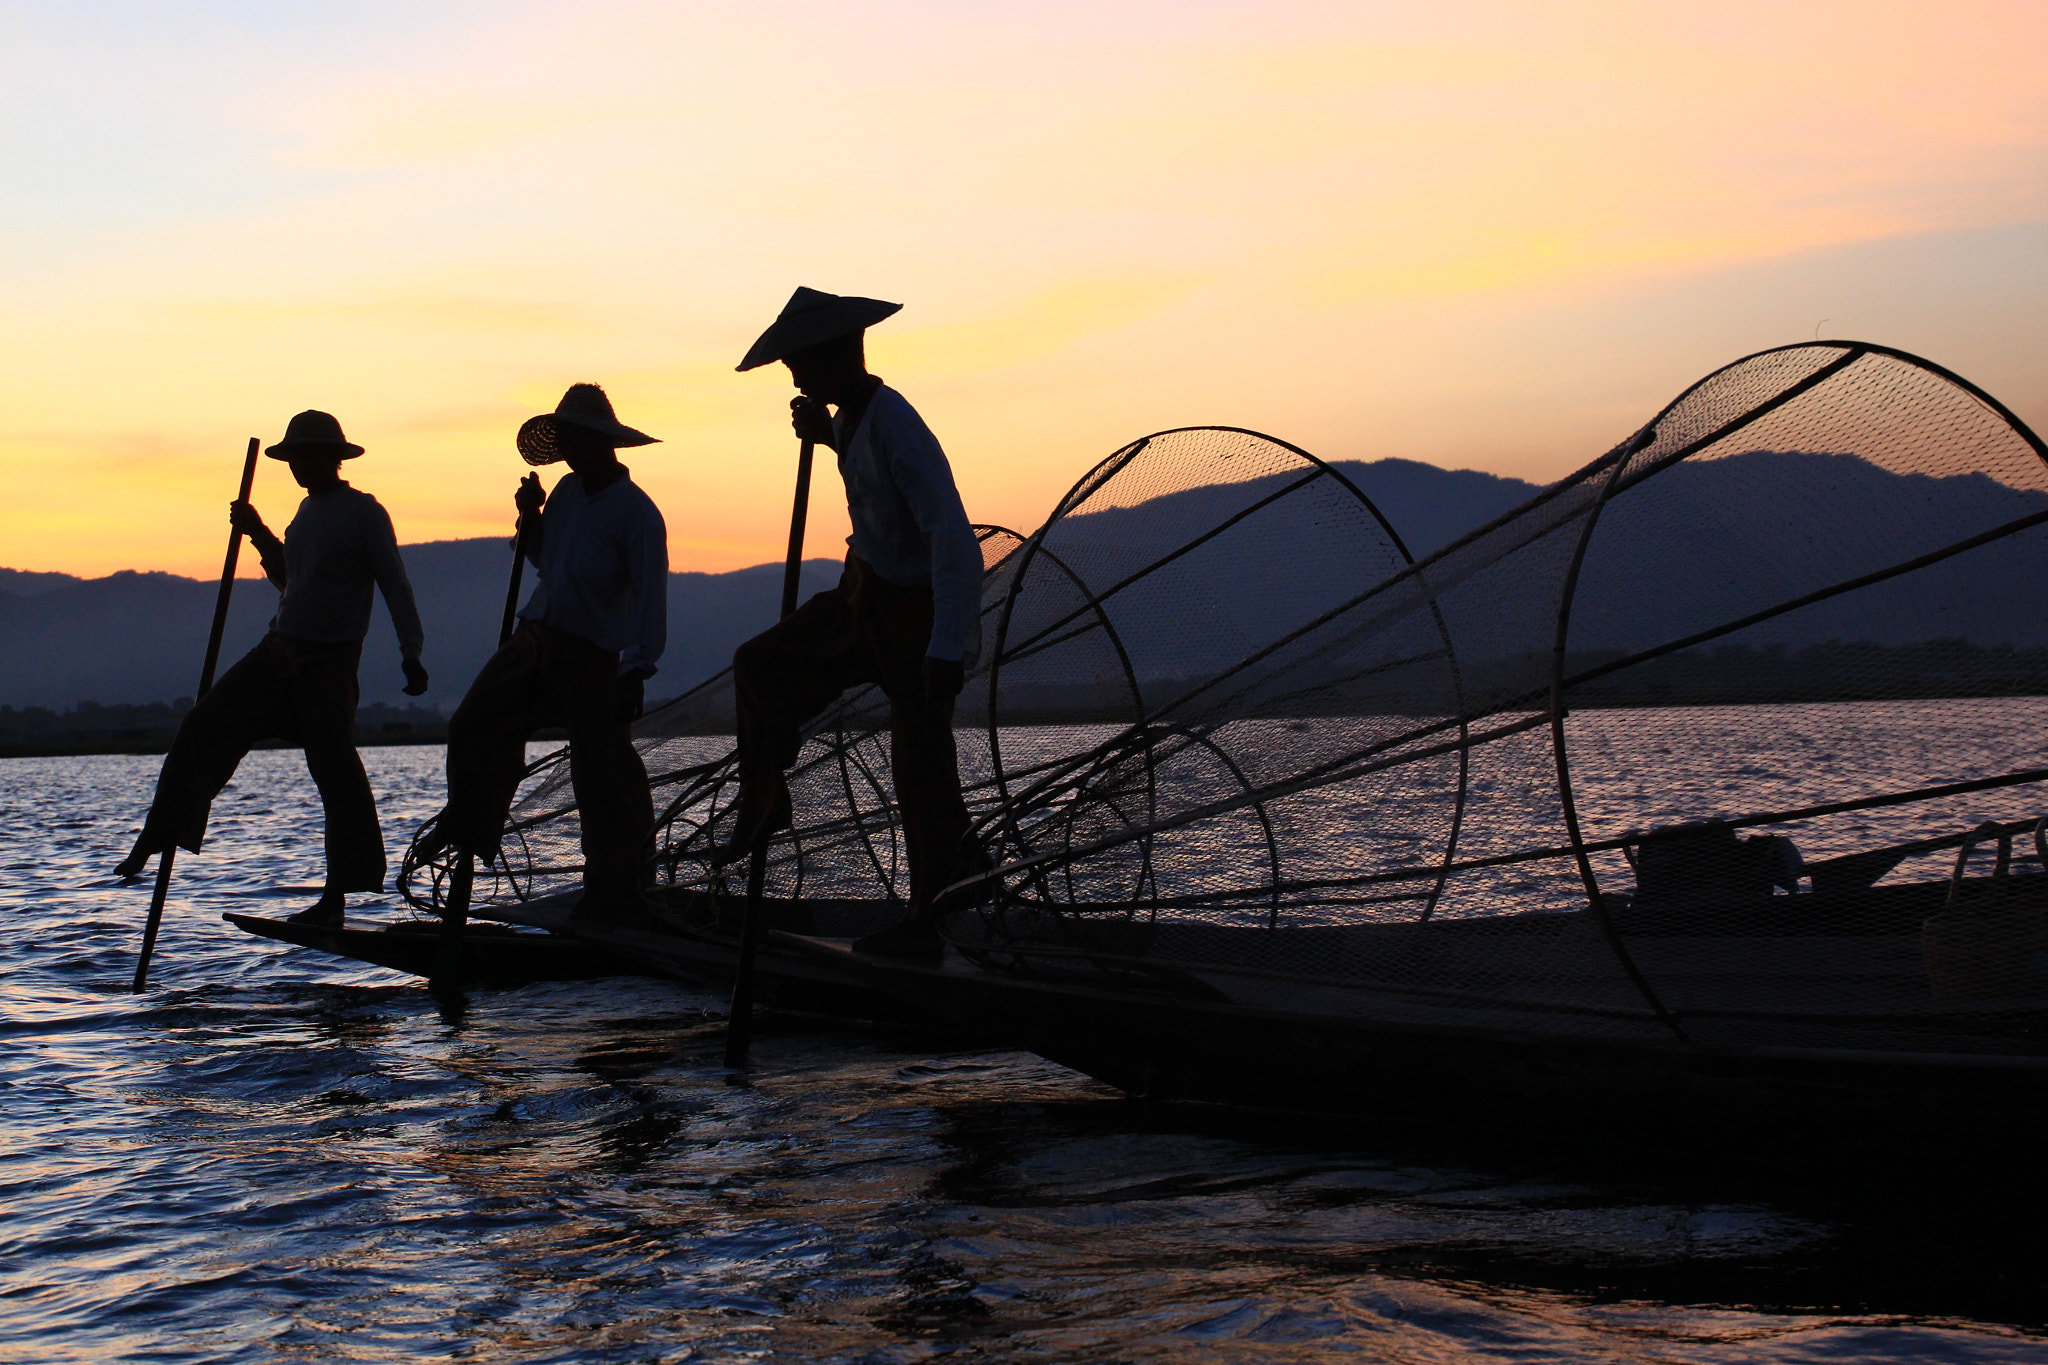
279	1157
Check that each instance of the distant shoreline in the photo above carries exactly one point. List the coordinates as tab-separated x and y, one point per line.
73	746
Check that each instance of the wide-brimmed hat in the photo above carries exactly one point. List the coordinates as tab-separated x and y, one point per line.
314	433
812	316
586	408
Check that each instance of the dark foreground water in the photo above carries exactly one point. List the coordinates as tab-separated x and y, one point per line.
278	1157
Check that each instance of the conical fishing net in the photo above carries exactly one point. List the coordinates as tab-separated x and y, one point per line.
1731	737
1560	775
848	842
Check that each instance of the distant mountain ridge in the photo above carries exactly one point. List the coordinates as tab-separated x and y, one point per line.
24	583
136	637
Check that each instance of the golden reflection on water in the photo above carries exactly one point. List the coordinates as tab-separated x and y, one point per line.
279	1157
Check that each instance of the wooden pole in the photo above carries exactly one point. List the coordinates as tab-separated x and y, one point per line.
793	561
446	977
220	624
739	1026
511	617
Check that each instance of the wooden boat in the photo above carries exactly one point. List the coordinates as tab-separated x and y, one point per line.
689	944
491	952
1277	813
1817	1009
698	942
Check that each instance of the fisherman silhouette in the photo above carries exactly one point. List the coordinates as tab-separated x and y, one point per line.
905	614
587	642
300	682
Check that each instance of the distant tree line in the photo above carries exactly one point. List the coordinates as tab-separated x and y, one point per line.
90	728
1831	671
1721	675
1724	675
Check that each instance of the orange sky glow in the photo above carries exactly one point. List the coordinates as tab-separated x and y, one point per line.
1492	236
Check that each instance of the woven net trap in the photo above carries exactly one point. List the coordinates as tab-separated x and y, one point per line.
1733	736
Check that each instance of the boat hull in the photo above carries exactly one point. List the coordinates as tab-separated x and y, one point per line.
1175	1048
486	956
579	950
785	979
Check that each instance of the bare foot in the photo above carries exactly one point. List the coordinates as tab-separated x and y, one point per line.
133	865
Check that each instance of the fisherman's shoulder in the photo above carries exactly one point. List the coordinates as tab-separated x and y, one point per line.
359	500
355	507
891	404
640	499
892	421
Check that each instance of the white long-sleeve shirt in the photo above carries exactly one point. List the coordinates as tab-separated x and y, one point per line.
604	570
339	543
908	521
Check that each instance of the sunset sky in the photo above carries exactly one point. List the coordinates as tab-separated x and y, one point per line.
1491	236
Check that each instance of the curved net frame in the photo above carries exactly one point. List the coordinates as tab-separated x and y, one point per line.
848	842
1724	739
1083	628
1158	597
1512	785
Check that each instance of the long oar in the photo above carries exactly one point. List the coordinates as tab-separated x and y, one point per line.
220	625
793	562
445	977
739	1028
511	617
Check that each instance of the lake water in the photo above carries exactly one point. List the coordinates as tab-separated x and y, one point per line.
274	1156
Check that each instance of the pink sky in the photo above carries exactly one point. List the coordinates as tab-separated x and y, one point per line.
1494	236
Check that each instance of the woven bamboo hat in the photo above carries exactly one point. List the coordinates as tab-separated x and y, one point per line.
314	433
585	407
812	316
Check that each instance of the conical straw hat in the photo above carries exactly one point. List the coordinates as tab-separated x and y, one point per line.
584	406
812	316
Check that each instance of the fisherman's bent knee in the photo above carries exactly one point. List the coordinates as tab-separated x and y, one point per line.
751	662
467	725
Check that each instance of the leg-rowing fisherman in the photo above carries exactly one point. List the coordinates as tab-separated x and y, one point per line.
904	616
588	639
300	681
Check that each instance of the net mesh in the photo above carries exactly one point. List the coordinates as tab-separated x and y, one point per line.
1729	737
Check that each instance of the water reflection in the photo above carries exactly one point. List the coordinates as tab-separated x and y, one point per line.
278	1157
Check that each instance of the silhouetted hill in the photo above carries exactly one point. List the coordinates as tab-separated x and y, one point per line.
133	638
1430	507
1696	546
23	583
1701	543
1711	541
